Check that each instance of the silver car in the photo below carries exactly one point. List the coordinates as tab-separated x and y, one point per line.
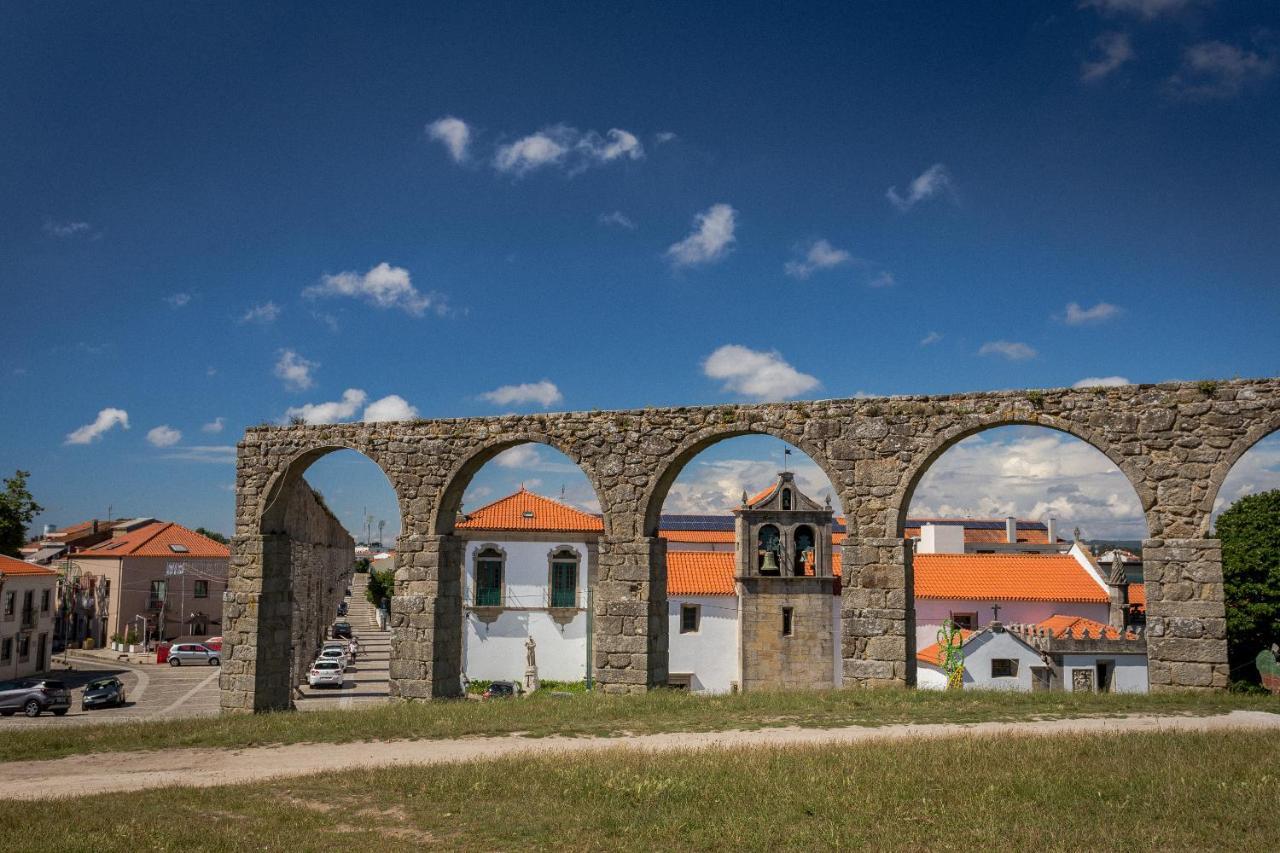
193	653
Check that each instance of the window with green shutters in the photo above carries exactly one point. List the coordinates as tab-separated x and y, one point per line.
488	579
564	583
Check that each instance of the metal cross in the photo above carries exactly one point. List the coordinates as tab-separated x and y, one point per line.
995	612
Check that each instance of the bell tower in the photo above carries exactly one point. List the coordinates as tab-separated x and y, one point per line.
786	589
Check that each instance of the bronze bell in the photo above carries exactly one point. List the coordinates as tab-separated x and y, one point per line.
770	562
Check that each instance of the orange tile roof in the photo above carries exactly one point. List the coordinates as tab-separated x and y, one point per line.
153	540
722	536
933	654
709	572
526	511
10	566
759	496
1061	626
700	573
1005	577
1138	594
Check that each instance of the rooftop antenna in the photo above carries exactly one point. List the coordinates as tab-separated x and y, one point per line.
562	492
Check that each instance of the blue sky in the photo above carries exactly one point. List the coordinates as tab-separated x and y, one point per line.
213	215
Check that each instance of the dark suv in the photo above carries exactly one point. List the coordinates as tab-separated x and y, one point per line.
33	695
341	630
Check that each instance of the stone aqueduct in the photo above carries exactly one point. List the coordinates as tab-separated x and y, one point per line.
1175	442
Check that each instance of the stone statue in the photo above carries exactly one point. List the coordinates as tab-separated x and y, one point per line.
1117	569
531	682
529	646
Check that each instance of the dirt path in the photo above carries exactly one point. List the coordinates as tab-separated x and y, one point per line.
79	775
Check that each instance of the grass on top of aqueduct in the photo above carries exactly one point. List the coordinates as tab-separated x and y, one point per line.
595	714
1131	791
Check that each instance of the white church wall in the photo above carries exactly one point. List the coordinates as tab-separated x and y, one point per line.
930	677
932	612
981	650
709	654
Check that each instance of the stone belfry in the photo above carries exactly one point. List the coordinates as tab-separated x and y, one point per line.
785	589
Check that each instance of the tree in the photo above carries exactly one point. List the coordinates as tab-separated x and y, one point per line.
1250	535
213	534
17	509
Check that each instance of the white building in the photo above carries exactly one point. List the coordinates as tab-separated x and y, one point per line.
26	617
529	565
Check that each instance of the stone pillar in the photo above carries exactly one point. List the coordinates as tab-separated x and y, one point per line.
877	613
1186	618
256	621
426	618
629	631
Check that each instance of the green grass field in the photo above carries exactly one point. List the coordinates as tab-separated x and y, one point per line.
1098	792
596	715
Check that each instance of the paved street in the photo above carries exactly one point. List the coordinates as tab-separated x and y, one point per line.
159	691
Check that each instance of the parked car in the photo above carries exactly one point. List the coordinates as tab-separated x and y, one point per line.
342	629
325	673
214	643
193	653
102	693
502	690
334	655
342	608
32	696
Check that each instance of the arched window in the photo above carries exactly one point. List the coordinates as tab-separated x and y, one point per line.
564	577
489	568
769	552
786	499
806	561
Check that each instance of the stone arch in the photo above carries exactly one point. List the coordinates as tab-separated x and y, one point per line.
951	436
1222	469
462	473
273	507
698	441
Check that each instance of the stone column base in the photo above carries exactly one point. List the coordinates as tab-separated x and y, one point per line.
877	617
630	620
1186	618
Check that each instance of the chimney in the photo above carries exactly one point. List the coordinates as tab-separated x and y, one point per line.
95	525
1011	530
1053	530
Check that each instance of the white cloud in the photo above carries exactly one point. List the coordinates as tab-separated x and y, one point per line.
384	286
1257	471
295	370
214	425
561	145
106	419
332	412
163	436
1012	350
1215	70
619	219
819	255
664	136
714	487
931	182
390	408
711	239
1031	473
1101	382
65	229
930	339
1111	50
1146	9
178	300
223	454
262	314
544	393
1077	316
520	456
758	374
884	278
453	133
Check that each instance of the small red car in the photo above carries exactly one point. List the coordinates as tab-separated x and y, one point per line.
213	644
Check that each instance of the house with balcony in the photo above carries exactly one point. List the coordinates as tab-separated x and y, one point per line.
157	578
26	617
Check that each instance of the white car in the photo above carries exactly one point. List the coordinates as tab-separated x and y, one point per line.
333	654
325	673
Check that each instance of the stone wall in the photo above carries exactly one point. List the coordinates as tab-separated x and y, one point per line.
1186	623
282	595
1174	442
767	659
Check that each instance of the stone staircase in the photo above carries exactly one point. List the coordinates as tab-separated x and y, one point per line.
367	681
360	613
